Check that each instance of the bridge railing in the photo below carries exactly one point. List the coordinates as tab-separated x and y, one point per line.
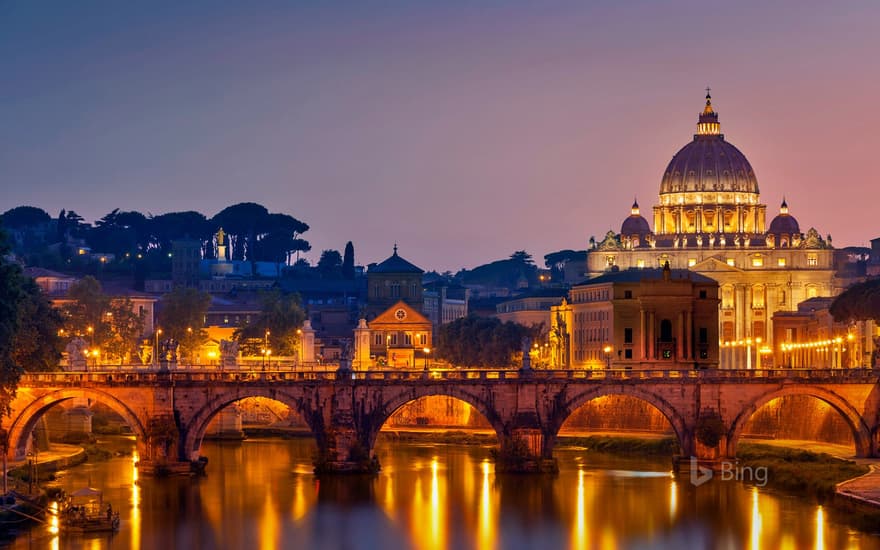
142	376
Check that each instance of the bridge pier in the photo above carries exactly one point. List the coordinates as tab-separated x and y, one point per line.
161	449
526	450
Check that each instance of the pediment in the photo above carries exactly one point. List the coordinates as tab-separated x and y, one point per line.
392	315
714	264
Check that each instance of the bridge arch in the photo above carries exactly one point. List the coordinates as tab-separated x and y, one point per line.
194	431
860	430
577	400
23	424
391	404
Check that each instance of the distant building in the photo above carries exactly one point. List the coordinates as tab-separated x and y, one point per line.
532	308
810	338
443	304
186	254
393	280
637	318
874	259
50	282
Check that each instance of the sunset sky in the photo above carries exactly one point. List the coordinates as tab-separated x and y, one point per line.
462	130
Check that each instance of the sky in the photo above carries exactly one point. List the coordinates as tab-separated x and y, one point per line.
463	131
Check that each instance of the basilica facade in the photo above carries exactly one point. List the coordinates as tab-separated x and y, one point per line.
710	220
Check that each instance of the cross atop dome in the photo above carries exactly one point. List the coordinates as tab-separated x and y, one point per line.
708	124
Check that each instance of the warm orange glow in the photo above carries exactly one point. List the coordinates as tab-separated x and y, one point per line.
756	522
580	520
270	531
486	525
135	518
820	529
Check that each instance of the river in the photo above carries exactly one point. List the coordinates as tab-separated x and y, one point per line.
261	494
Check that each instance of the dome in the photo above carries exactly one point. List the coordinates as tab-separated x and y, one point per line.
635	223
784	223
709	163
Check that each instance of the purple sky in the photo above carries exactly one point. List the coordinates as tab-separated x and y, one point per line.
462	130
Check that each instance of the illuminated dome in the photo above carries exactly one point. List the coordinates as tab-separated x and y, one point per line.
784	223
709	169
635	223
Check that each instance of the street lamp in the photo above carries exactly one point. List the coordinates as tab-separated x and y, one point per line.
607	350
427	352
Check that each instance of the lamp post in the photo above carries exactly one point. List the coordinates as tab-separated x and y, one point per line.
427	352
156	348
607	350
265	348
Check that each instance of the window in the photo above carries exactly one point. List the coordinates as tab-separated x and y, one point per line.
628	354
731	262
665	330
628	294
395	289
704	335
407	339
393	339
812	260
378	339
628	335
692	262
757	297
780	262
703	294
757	261
727	297
640	264
609	261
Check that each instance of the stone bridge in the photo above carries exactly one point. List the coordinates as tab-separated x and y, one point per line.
169	412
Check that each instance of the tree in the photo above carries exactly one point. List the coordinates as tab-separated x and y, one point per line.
277	325
11	296
25	216
859	302
242	222
85	314
481	342
126	329
522	257
37	344
330	264
109	325
557	261
348	261
182	318
121	233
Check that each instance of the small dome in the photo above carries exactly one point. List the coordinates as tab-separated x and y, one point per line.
784	223
635	224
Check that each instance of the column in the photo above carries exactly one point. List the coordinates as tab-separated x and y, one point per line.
650	335
689	349
642	335
739	306
679	345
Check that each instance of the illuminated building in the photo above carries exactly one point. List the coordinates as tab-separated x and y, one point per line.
709	219
637	318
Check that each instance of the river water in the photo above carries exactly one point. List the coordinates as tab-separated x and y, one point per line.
261	494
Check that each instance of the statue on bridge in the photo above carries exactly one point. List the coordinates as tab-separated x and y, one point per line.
76	356
228	353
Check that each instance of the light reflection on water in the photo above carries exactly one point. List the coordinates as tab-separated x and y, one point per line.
261	494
